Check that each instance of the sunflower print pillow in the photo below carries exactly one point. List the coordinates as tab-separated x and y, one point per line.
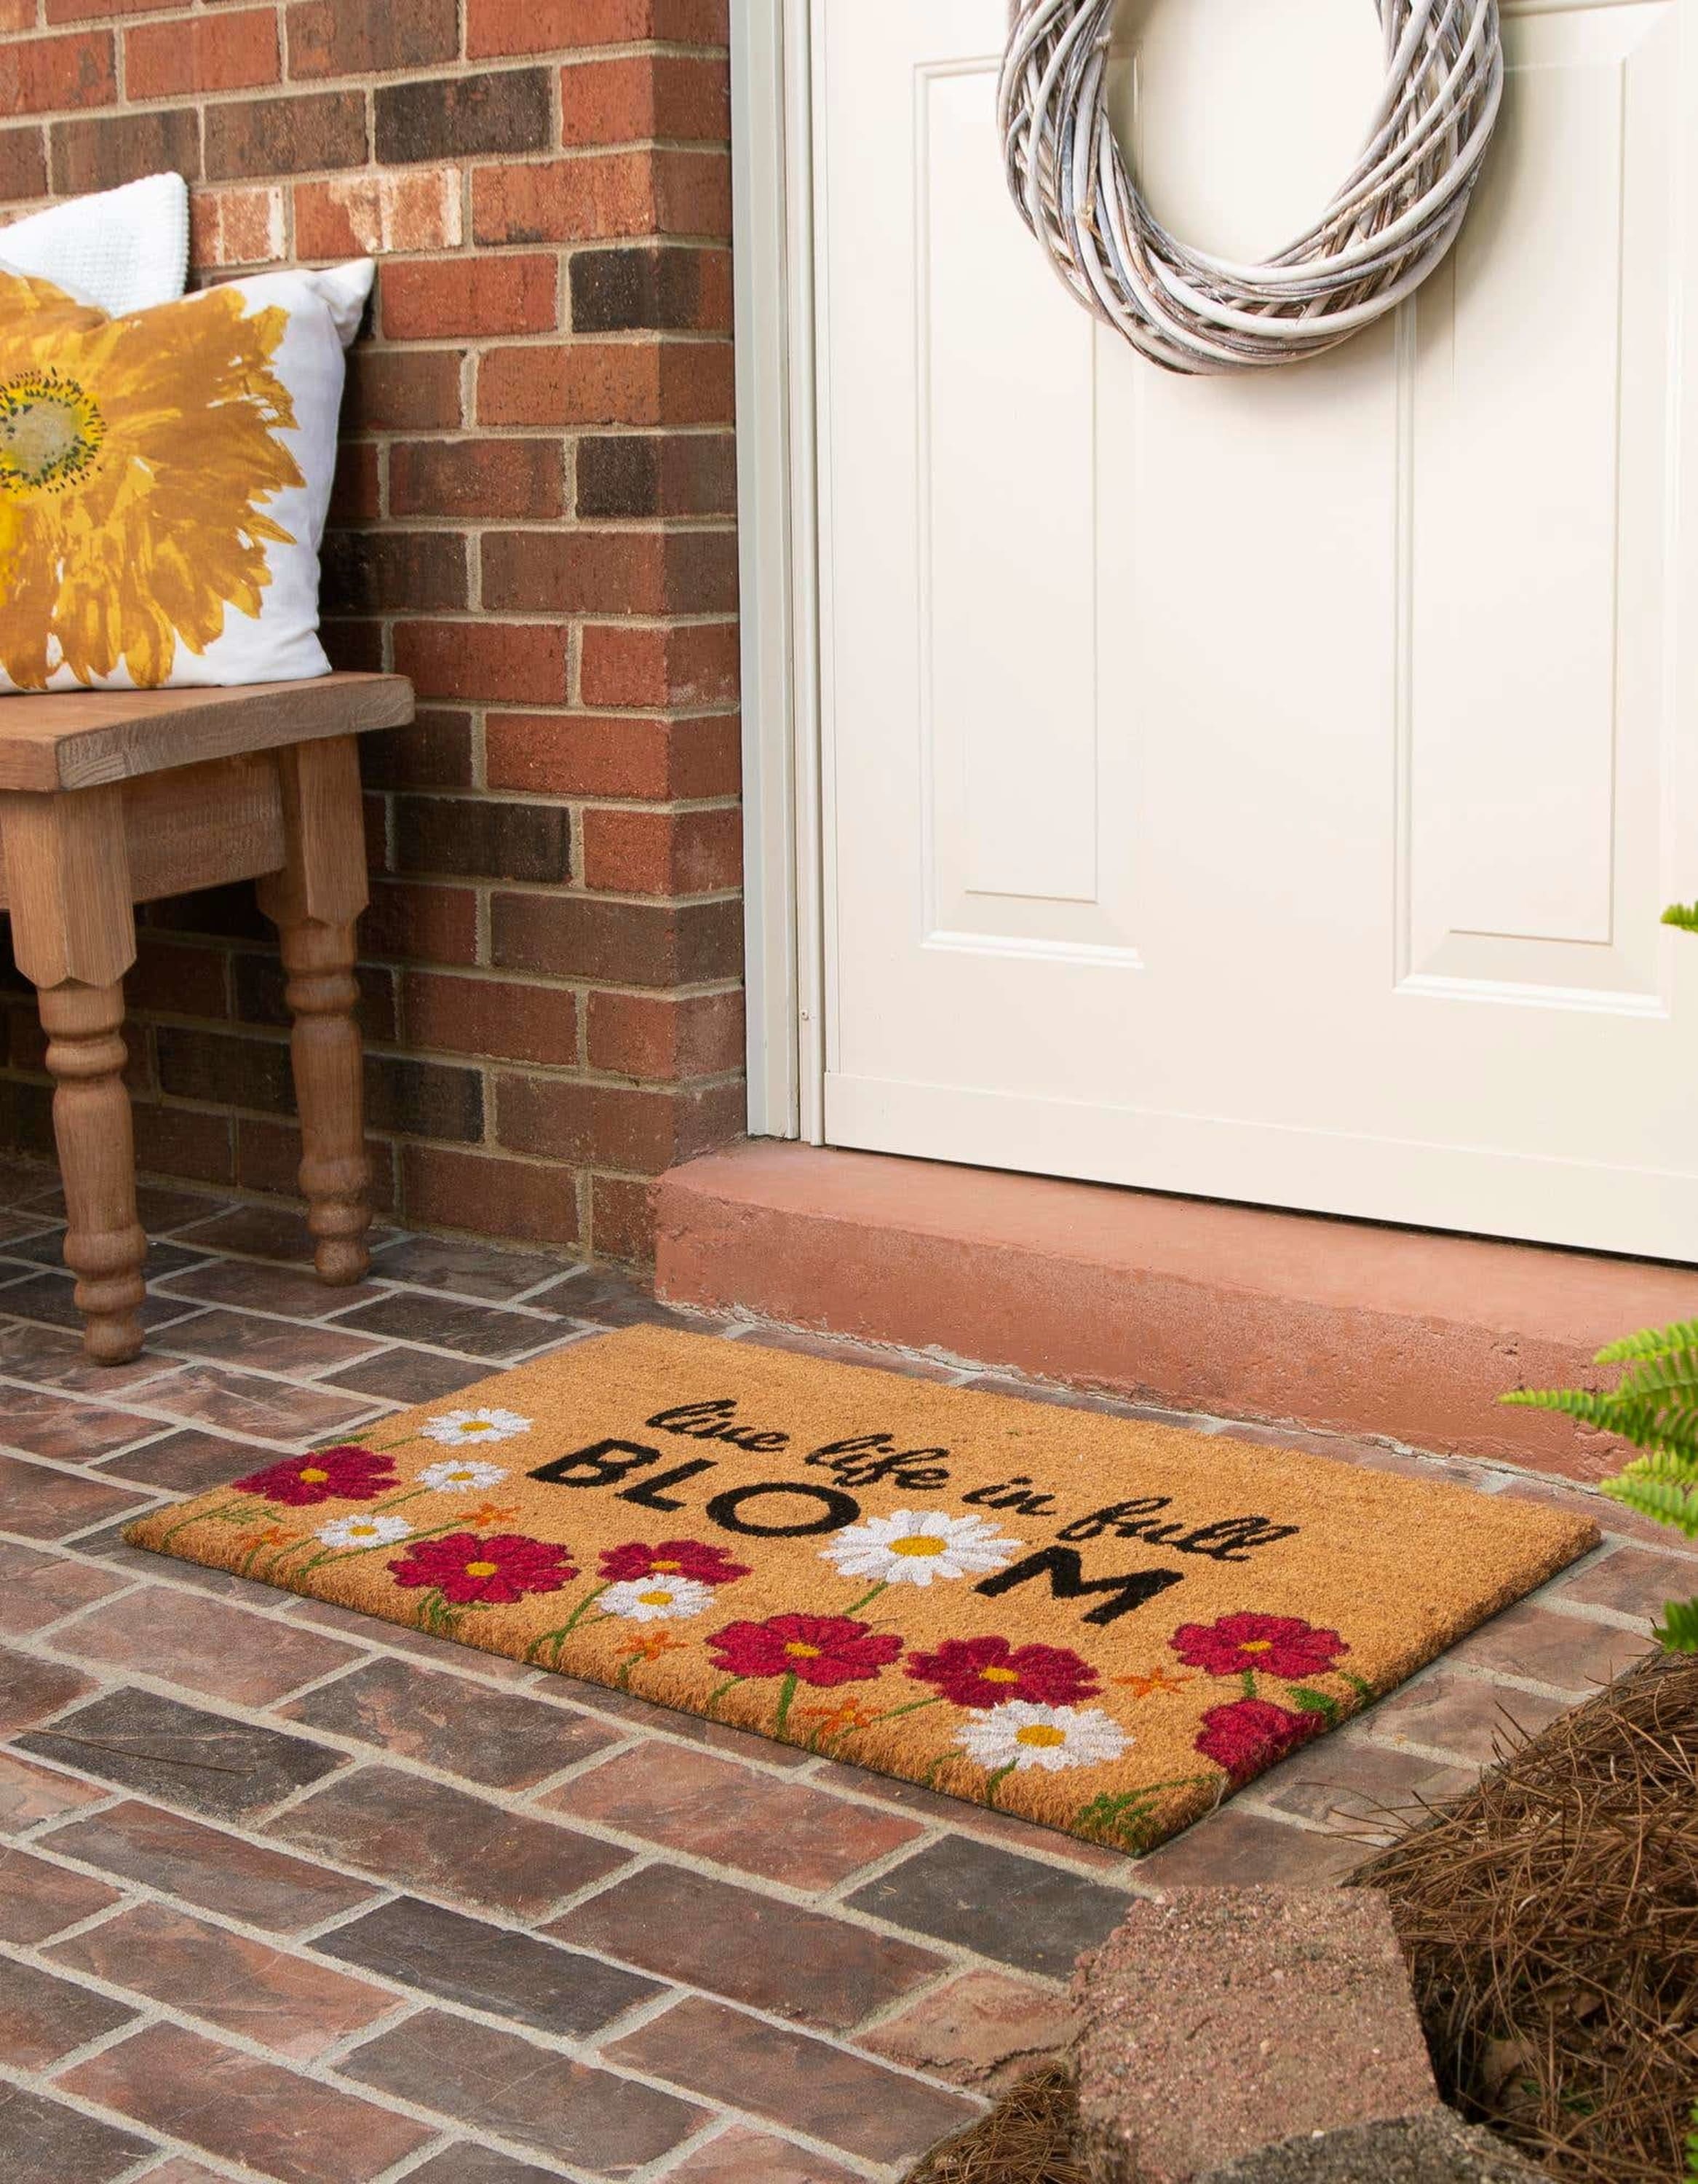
164	481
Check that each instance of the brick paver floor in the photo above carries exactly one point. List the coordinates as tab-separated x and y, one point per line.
289	1893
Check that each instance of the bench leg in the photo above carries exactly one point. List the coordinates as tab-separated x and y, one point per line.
74	934
335	1178
105	1246
314	901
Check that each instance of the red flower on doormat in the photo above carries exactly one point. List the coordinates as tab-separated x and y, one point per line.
1248	1736
814	1649
989	1671
1283	1645
347	1473
688	1558
489	1571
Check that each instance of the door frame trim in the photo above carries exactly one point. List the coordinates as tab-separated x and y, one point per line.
773	265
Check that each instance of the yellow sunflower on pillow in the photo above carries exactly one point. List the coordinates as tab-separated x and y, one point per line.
137	458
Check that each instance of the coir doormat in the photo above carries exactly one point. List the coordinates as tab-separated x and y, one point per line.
1101	1626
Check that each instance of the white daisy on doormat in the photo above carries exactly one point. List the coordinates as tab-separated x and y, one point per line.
457	1429
656	1599
1023	1734
465	1477
912	1546
363	1531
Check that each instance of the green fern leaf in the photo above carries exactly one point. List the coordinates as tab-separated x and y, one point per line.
1683	915
1651	1342
1666	1502
1675	1373
1677	1632
1589	1404
1670	1467
1654	1407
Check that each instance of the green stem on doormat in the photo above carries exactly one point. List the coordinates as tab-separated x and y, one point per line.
998	1776
227	1512
558	1637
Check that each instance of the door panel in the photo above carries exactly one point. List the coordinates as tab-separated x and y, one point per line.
1265	788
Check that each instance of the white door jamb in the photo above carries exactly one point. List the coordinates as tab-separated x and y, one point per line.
772	268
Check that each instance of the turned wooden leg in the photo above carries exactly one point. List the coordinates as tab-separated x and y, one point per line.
74	934
314	901
335	1178
105	1246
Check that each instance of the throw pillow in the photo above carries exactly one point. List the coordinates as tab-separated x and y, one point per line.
164	481
122	250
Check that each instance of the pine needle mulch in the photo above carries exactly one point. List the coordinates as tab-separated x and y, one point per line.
1027	2138
1550	1921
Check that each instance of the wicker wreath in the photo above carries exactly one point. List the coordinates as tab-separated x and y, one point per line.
1385	230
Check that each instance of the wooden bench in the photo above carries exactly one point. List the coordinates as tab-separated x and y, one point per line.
112	798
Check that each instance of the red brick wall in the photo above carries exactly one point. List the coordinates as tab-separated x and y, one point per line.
534	520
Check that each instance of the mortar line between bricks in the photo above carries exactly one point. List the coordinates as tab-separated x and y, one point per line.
1501	1680
367	1409
191	1311
315	1385
44	1633
27	1837
1440	1755
591	1762
388	1285
376	1345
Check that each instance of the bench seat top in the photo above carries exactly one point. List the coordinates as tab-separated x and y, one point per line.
76	739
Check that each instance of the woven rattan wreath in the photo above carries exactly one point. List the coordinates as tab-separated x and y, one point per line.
1385	230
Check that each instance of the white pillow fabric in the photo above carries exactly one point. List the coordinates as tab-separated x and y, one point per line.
165	478
124	250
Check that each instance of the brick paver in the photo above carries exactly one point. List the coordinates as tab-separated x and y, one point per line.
289	1892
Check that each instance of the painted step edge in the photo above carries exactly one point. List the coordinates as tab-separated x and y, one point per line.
1299	1319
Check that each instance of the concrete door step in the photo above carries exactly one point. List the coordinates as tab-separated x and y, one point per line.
1342	1326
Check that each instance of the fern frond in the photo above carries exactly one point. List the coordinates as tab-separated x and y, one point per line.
1677	1632
1675	1373
1592	1407
1583	1403
1662	1427
1668	1467
1683	914
1654	1407
1651	1342
1670	1502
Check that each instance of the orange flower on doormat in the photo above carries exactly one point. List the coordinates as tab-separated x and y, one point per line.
1155	1685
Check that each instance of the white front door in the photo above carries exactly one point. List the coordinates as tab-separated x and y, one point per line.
1267	787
